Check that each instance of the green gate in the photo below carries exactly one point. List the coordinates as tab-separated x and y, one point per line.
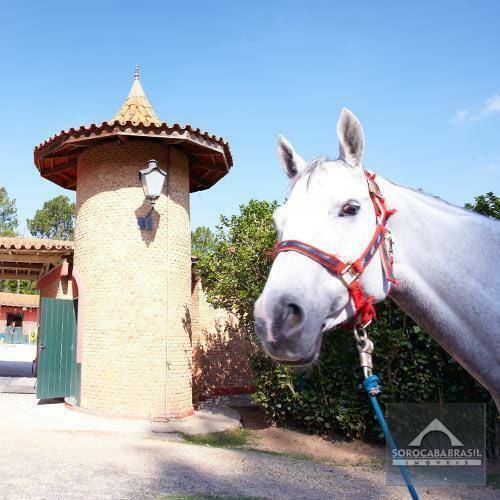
57	354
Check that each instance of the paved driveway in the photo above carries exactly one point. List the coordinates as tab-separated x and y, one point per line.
16	365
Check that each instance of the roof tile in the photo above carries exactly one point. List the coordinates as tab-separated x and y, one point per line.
17	243
19	300
136	107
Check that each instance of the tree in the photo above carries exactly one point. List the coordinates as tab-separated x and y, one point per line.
56	219
8	226
486	204
8	214
235	265
202	240
19	286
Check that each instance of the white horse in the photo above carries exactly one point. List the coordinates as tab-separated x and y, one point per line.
446	261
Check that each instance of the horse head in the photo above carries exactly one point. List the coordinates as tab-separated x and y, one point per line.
329	208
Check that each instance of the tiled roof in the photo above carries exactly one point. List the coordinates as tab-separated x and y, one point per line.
30	258
19	300
152	129
136	107
209	155
34	244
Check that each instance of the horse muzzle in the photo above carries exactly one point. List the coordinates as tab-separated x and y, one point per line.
288	333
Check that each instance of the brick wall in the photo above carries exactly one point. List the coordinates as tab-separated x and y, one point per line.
136	350
221	352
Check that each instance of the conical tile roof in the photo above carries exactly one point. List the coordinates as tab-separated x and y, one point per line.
209	156
136	107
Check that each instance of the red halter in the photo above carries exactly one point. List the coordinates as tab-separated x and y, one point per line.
350	272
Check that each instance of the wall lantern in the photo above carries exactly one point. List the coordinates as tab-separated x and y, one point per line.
152	179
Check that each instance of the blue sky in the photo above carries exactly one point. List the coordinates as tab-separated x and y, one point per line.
423	77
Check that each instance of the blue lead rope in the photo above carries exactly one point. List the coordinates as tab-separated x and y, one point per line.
372	387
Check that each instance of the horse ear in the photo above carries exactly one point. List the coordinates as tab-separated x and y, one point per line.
351	138
291	162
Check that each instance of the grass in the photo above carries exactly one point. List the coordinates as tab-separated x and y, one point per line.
234	438
238	438
244	438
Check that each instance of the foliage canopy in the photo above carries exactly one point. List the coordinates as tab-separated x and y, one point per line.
486	204
202	240
56	219
8	227
236	265
8	214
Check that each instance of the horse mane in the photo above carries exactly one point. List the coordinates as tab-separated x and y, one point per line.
317	163
309	170
448	206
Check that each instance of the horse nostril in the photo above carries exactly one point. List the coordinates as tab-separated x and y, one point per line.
293	315
288	318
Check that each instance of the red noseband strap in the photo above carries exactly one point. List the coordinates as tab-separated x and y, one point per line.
349	273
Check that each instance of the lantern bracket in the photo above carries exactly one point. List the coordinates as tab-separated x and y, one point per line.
146	222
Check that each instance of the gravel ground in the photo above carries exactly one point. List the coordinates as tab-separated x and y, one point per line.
93	465
83	464
49	452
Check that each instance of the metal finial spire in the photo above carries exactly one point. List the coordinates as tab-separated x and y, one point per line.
136	74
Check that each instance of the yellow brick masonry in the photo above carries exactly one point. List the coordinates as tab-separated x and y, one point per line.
136	347
221	351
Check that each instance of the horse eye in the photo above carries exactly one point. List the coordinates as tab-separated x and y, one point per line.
350	208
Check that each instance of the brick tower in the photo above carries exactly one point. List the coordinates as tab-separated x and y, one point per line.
134	346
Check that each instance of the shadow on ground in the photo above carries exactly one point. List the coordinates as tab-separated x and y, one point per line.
16	369
201	471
